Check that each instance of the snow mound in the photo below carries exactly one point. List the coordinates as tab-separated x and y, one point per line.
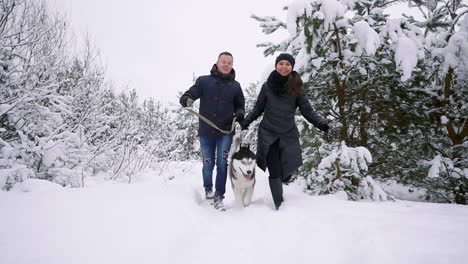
35	185
341	195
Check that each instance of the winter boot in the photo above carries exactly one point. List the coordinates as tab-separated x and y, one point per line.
287	180
276	187
209	194
218	204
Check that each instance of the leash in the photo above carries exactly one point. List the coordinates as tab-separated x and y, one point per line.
227	132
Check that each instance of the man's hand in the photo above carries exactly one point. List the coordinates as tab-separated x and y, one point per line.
239	118
189	102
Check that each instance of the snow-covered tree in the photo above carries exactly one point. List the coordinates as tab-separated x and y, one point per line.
60	119
251	95
183	132
345	170
32	113
445	128
373	78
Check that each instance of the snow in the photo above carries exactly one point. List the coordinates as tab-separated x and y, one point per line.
464	24
407	44
52	153
35	185
455	54
376	11
435	168
440	165
156	220
296	9
364	157
341	195
317	62
18	172
356	158
328	161
332	10
403	192
367	38
406	57
444	120
378	194
4	107
302	59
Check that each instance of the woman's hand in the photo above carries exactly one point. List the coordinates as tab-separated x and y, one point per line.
325	127
244	125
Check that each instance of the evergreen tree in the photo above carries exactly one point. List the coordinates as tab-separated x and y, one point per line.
445	124
370	75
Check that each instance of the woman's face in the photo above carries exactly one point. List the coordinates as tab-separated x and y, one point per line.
284	67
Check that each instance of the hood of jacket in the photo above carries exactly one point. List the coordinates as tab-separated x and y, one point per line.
216	73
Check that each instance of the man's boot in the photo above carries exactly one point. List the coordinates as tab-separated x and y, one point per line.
218	204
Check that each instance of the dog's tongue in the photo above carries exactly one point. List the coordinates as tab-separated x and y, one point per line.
247	177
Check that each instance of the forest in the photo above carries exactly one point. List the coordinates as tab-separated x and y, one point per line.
393	90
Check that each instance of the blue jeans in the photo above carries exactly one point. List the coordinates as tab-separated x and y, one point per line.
220	146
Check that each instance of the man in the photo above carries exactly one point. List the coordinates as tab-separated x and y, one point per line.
221	98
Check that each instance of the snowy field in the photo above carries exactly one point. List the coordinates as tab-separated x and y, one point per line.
157	220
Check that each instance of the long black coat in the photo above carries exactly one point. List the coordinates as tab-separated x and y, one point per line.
278	123
221	98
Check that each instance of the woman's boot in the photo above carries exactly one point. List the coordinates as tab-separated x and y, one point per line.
276	187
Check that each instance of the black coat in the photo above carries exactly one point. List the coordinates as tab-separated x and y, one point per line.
221	98
278	123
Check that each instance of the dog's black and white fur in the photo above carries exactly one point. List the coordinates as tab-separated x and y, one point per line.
242	172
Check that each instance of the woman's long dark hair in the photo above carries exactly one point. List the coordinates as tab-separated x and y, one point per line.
295	84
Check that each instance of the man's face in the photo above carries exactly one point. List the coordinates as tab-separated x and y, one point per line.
224	64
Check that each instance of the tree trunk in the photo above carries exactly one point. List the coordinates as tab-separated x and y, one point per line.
457	137
340	90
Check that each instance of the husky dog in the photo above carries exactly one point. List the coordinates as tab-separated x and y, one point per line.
242	172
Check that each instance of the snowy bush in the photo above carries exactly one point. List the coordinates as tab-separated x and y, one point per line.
344	170
450	181
60	119
10	176
65	177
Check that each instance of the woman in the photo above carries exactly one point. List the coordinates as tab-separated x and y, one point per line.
278	137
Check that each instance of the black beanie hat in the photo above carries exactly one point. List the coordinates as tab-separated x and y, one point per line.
285	56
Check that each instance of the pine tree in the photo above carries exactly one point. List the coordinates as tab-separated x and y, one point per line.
445	124
369	74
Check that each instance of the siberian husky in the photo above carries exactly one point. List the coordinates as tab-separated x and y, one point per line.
242	172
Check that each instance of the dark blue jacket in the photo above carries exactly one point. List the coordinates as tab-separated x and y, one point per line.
221	98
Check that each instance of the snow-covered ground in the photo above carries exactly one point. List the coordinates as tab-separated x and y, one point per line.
157	220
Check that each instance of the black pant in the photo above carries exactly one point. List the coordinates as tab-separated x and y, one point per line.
275	168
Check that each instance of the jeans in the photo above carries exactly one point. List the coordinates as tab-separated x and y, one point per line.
215	149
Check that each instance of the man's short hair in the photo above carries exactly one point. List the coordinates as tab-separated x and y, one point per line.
225	53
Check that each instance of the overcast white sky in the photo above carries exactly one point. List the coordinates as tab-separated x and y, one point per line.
157	46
